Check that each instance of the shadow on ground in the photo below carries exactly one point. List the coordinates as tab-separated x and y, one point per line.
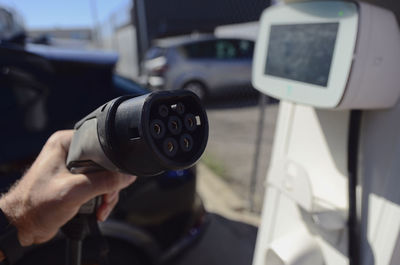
224	242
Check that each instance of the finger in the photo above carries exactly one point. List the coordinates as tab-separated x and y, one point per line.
106	208
59	142
60	139
95	184
107	200
110	196
66	138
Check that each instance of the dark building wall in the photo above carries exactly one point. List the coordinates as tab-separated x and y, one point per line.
175	17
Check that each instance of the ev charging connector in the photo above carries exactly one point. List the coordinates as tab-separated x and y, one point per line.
144	136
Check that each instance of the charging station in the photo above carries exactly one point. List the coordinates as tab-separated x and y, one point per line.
331	189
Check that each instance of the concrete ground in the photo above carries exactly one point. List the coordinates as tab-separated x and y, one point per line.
230	153
218	197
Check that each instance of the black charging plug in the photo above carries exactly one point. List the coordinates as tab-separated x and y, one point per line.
143	136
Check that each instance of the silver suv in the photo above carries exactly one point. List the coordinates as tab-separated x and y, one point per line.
204	66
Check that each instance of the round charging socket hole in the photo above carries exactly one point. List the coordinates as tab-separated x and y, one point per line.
157	129
190	122
179	108
186	142
174	125
163	111
170	147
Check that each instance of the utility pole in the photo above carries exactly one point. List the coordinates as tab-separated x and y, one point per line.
96	22
141	29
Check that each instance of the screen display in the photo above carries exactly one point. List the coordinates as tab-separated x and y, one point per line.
302	52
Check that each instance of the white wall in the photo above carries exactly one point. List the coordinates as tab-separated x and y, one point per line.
126	46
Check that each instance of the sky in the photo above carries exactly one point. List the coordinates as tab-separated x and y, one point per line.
64	13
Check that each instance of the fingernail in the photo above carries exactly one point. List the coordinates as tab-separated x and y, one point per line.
131	178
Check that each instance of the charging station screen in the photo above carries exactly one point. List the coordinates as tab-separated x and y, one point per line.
301	52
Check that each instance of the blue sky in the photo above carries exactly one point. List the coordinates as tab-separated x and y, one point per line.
63	13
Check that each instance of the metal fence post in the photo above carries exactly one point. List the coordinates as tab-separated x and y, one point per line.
263	101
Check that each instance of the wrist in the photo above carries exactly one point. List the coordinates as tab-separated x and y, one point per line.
12	208
10	247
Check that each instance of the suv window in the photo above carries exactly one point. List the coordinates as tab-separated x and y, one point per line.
246	48
225	49
200	50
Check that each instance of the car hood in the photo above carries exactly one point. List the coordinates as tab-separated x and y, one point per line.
73	55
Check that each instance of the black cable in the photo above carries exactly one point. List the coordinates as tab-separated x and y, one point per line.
74	252
101	242
75	230
352	165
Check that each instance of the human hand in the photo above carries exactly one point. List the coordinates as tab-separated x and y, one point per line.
48	195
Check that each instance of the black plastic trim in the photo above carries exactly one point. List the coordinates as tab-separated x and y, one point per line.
352	165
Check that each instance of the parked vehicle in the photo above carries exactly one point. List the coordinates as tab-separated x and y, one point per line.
206	66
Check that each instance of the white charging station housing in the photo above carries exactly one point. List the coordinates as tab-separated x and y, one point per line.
329	54
318	57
